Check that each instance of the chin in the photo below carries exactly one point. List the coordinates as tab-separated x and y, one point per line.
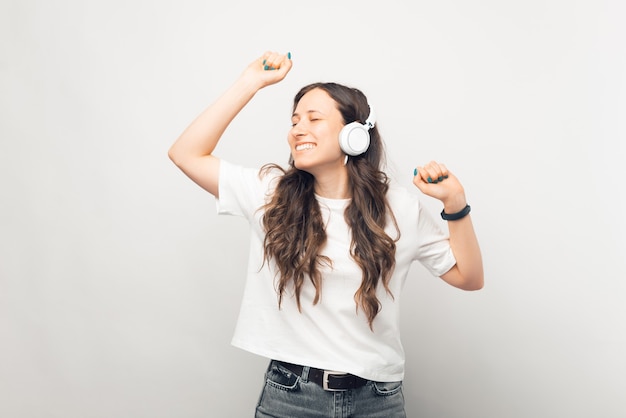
299	165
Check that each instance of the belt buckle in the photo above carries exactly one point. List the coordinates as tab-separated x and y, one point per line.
327	374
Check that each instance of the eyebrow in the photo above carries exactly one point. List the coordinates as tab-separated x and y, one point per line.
308	111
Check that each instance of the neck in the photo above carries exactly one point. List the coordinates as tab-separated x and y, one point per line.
333	184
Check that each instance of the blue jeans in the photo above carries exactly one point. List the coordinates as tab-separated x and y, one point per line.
286	395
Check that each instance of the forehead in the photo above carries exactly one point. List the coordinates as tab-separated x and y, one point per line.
316	100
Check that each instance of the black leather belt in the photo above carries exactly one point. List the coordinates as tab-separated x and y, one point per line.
329	380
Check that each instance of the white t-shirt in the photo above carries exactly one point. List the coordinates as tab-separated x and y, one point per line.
332	334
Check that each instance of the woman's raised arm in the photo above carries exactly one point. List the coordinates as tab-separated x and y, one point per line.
193	150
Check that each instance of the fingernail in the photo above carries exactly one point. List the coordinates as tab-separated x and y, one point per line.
445	177
430	180
440	178
289	55
415	172
266	68
264	61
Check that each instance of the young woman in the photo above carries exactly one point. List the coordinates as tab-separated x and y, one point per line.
332	240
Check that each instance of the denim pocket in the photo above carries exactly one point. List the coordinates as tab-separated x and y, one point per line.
387	388
281	378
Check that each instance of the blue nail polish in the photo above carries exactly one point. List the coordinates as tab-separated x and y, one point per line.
266	68
445	177
430	180
264	61
415	172
289	55
440	178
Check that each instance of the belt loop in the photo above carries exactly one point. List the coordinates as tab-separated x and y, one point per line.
305	373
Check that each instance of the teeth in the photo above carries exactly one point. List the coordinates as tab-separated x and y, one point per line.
302	147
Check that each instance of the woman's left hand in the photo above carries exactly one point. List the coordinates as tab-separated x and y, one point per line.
435	180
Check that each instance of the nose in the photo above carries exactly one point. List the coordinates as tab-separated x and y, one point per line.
298	129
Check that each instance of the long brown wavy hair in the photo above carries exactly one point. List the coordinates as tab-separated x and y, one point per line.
293	221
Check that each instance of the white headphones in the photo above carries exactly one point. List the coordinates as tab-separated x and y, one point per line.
354	138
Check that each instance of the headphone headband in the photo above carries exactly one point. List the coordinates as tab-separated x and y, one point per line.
371	119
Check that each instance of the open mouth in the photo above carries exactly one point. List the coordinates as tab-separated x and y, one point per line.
305	146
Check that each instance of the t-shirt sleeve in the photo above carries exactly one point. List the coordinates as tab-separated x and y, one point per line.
241	190
434	250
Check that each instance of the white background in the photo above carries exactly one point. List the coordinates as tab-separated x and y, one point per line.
120	287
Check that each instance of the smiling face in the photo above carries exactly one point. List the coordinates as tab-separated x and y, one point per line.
314	136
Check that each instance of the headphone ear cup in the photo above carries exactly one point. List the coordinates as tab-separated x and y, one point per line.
354	139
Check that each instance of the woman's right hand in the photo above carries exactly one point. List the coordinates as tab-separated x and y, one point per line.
268	69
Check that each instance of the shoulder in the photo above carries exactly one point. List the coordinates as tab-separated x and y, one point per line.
243	190
256	183
271	172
